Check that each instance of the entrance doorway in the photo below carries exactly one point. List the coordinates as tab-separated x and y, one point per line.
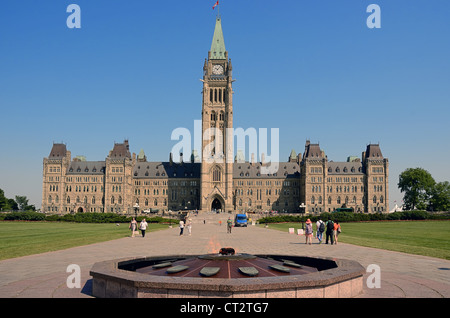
216	205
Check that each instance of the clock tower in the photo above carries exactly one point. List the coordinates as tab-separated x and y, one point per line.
217	117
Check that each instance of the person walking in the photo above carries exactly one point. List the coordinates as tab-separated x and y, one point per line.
133	226
320	228
229	225
308	232
189	226
181	227
143	227
337	230
329	231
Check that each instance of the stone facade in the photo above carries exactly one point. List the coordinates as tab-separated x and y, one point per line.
124	182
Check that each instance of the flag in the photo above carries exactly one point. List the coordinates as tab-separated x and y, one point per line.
216	4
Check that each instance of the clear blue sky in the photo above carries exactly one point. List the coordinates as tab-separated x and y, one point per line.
311	68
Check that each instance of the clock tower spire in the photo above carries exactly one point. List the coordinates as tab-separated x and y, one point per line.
217	117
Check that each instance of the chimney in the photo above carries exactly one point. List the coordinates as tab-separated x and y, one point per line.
253	159
170	159
263	159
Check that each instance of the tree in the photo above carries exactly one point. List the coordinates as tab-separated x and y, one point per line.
440	197
418	184
22	202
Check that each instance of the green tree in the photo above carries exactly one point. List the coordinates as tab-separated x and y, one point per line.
440	197
418	184
22	202
3	200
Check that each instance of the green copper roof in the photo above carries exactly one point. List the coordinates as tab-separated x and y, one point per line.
293	154
141	154
218	43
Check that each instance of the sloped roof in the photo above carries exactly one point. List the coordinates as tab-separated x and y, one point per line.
58	151
166	170
353	167
247	170
86	168
373	151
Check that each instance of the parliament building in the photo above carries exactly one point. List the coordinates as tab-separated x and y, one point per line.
125	182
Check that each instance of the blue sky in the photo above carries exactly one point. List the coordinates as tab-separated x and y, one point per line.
311	68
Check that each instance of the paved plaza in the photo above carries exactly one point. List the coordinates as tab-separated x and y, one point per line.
45	275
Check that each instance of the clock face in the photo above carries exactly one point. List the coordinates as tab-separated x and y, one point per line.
217	69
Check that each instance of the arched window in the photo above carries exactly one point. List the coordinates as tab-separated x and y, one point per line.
338	201
112	200
68	200
329	200
313	200
217	174
381	199
120	200
374	199
268	202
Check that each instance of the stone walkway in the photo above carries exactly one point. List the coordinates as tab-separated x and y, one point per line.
45	275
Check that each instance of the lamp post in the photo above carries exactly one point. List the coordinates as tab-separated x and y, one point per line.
136	209
302	206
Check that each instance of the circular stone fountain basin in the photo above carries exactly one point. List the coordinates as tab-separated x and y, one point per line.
236	275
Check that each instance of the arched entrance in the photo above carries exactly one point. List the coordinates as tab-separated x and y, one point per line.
216	205
80	210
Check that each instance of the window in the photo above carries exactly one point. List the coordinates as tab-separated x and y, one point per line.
216	174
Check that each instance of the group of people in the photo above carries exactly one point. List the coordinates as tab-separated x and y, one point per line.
143	225
188	225
331	229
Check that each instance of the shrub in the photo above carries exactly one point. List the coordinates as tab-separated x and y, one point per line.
358	217
24	216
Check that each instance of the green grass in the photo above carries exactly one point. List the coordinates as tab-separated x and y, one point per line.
19	238
428	238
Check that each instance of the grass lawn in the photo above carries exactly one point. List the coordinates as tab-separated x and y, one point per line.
19	238
429	238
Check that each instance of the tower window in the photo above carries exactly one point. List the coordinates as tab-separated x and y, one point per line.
216	174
